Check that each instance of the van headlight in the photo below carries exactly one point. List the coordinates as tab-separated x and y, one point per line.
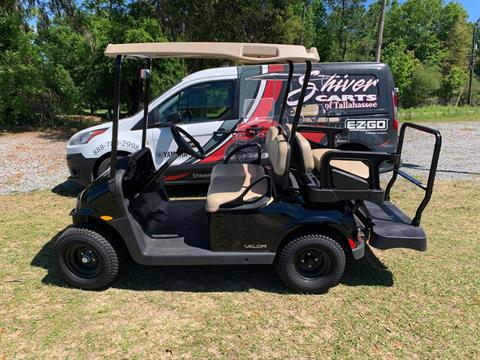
85	137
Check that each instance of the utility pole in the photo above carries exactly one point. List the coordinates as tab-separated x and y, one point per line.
472	62
305	5
381	24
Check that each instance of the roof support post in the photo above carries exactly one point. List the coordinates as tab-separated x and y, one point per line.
296	118
298	110
116	114
287	89
145	75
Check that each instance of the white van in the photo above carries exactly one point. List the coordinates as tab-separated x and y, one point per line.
225	106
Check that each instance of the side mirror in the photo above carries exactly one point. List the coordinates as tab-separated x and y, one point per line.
174	118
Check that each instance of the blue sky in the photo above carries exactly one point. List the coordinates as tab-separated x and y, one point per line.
473	8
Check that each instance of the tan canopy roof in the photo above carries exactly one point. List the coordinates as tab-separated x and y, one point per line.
251	53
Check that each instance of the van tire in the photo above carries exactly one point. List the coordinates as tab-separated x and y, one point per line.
103	166
311	263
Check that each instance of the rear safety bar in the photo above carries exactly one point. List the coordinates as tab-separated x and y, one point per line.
428	188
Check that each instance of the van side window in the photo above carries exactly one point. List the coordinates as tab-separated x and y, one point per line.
208	101
198	103
169	106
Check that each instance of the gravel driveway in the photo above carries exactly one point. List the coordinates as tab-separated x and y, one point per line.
458	156
33	160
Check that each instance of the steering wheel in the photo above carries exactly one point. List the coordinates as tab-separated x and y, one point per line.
184	146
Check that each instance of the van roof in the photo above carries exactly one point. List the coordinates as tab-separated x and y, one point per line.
249	53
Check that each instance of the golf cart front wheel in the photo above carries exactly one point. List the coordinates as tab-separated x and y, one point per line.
87	259
311	263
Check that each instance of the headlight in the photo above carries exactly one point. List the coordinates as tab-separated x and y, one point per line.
85	137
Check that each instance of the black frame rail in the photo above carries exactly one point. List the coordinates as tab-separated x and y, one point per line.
428	188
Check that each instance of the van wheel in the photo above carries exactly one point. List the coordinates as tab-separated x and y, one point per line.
311	263
86	258
104	166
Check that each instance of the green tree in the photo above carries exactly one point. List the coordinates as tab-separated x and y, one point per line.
452	85
32	88
426	82
343	24
403	64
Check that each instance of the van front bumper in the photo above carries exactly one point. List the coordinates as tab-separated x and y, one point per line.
81	168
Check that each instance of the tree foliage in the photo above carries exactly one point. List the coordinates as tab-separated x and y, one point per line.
52	62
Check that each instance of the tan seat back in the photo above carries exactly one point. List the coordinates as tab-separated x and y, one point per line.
305	156
272	133
277	149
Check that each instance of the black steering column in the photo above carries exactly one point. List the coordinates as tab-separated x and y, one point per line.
190	147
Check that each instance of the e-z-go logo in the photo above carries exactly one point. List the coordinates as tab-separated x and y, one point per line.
360	125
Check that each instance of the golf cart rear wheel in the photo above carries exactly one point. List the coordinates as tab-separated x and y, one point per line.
86	258
311	263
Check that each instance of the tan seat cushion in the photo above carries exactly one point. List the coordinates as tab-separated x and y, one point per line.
355	167
236	170
318	155
310	110
224	189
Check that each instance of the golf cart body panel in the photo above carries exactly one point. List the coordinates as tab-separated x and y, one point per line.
303	209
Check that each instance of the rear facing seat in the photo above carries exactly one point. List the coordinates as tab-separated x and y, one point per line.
312	159
355	167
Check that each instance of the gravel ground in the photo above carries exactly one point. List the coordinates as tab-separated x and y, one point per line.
458	156
33	160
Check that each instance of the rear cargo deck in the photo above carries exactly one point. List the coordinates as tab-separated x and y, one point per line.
393	229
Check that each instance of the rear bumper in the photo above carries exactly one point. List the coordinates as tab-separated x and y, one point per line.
81	168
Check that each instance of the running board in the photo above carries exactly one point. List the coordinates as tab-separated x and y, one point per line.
172	250
393	229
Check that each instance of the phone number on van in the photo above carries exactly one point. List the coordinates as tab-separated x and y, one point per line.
125	144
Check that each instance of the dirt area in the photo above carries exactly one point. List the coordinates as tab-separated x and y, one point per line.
36	160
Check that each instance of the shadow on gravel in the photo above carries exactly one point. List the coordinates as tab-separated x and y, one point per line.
418	167
369	271
68	188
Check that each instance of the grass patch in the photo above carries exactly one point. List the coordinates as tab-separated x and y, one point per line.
437	113
392	304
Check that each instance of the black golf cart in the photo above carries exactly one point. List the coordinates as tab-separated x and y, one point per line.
304	211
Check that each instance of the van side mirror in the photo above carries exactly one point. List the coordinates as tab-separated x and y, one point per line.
174	118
